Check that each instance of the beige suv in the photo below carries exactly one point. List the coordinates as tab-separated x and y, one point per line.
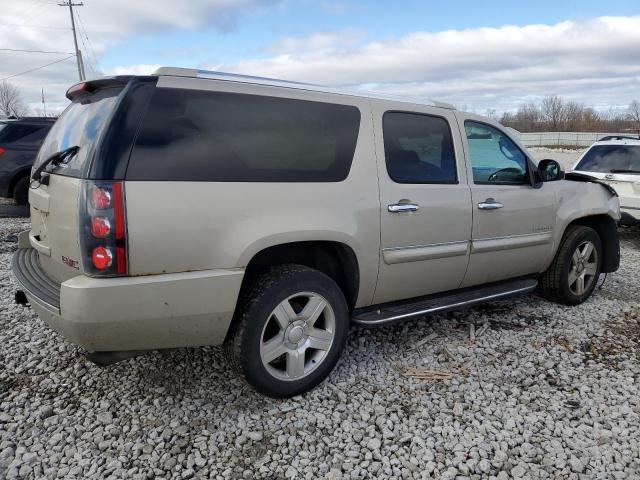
196	208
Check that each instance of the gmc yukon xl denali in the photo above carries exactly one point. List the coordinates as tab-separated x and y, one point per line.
192	208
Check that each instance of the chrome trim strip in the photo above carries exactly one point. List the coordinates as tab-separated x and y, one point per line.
446	307
482	245
629	208
416	253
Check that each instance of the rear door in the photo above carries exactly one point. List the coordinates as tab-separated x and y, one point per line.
513	222
425	202
54	207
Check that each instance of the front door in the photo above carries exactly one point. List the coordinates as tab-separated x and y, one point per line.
425	201
513	222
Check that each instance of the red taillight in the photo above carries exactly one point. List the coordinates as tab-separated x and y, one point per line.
77	89
104	239
100	198
100	227
121	233
101	258
2	150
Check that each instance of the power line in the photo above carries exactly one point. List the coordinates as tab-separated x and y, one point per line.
93	52
37	68
32	51
32	26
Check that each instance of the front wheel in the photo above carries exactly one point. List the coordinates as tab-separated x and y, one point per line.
290	331
573	275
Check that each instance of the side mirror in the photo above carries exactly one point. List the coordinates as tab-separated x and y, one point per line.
549	171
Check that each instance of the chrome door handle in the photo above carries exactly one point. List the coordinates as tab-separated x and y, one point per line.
402	207
490	204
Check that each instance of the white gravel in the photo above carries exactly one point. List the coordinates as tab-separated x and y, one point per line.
543	391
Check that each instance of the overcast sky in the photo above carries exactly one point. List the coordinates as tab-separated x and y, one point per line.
477	55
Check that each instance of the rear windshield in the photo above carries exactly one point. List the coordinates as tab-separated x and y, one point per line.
23	133
79	125
194	135
611	159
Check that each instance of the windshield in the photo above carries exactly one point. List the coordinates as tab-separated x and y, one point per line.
80	124
608	158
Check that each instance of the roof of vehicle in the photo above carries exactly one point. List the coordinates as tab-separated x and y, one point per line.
32	120
618	140
234	77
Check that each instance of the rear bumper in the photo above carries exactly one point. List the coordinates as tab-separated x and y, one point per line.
132	313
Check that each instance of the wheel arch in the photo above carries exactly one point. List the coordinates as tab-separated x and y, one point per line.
335	259
607	229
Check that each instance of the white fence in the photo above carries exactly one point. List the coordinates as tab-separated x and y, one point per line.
571	139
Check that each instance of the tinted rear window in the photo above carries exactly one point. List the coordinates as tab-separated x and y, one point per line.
418	148
605	158
80	124
194	135
23	133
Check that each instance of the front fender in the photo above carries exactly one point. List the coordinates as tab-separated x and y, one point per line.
590	204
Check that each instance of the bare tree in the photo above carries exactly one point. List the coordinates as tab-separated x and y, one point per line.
634	114
553	111
11	103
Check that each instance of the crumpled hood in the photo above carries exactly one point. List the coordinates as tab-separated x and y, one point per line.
582	177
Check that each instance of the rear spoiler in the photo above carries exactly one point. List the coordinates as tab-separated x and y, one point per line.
581	177
87	88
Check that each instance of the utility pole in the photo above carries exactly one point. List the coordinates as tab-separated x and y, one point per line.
70	4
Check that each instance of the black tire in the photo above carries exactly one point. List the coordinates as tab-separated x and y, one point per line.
554	283
253	317
21	191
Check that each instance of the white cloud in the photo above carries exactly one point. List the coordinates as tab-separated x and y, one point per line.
594	61
43	25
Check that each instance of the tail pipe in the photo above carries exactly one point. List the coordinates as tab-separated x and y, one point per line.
21	298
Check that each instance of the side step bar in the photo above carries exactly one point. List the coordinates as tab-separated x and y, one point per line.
386	313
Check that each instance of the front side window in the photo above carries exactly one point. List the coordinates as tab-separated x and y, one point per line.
195	135
418	148
611	159
495	158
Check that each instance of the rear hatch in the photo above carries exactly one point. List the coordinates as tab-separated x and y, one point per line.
55	200
618	165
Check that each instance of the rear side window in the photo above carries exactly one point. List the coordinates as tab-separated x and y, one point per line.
418	148
611	159
194	135
23	133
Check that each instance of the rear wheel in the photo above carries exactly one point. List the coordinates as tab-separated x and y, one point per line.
21	191
290	331
573	275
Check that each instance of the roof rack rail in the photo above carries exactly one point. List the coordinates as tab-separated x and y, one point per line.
618	137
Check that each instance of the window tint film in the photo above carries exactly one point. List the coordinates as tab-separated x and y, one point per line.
611	159
494	156
197	135
418	148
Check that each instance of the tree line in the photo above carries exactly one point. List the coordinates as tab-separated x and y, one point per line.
555	114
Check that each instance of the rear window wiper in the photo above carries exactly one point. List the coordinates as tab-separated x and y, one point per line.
55	159
622	170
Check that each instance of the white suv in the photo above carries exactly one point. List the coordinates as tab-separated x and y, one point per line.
616	160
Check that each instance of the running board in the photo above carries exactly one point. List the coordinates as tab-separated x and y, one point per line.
397	311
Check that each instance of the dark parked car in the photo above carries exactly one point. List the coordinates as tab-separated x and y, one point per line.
19	144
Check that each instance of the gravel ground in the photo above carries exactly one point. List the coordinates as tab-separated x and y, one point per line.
521	389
